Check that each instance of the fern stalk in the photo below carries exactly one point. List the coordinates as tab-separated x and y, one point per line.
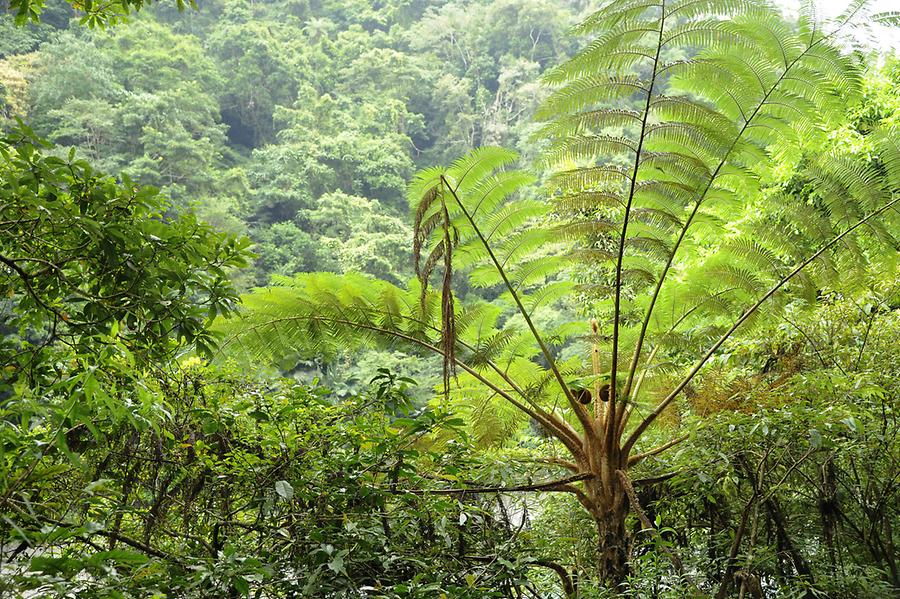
551	361
639	430
611	408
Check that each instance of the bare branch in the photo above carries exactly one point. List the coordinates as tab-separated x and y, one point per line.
645	521
657	450
562	484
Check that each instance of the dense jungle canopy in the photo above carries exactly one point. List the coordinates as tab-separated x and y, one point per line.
449	299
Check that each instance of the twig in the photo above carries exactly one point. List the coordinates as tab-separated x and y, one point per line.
552	485
656	450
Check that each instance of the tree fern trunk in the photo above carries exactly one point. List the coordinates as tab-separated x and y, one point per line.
612	557
609	509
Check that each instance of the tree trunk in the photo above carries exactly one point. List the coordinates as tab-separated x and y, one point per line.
612	541
609	508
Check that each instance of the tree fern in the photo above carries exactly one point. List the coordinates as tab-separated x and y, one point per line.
706	122
667	220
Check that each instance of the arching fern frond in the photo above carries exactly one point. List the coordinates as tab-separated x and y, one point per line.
666	147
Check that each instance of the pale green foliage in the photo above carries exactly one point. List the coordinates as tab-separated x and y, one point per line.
663	160
707	160
361	235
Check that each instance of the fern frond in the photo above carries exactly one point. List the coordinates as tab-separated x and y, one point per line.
586	201
590	178
687	9
702	33
473	167
589	92
592	121
614	13
581	148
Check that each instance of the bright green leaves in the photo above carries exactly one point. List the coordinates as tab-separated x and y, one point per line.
664	132
26	10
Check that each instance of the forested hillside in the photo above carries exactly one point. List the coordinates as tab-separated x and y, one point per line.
444	299
298	123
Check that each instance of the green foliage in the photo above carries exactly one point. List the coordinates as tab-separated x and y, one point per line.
661	160
284	248
191	481
295	101
714	185
692	176
94	14
162	131
84	255
817	443
215	485
329	313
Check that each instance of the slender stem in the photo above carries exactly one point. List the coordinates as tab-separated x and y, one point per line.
553	485
865	340
645	521
637	387
595	366
572	442
149	550
747	313
13	486
656	450
643	375
611	408
626	413
812	344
